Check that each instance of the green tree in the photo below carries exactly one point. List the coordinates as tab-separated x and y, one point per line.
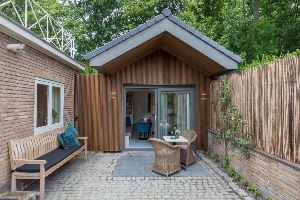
93	23
136	12
252	29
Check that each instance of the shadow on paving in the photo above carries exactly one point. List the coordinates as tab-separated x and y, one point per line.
140	166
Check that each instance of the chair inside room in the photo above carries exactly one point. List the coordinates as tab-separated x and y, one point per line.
143	128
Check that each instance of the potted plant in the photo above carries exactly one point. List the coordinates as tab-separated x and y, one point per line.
54	115
177	132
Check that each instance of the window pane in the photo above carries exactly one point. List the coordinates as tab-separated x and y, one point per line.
42	105
55	105
174	112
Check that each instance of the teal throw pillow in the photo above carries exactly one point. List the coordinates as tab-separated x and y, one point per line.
68	140
61	138
71	128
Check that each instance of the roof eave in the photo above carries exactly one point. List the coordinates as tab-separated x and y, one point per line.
22	34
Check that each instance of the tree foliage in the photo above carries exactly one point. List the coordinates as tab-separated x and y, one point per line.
252	29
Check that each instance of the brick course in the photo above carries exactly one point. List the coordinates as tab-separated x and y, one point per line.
17	82
274	177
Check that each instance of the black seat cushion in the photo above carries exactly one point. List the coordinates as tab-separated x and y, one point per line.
52	158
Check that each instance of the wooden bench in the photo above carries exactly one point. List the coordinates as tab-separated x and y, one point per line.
37	156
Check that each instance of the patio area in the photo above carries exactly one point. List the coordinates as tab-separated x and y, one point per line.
93	180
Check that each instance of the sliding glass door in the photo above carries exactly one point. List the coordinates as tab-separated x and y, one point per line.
175	110
168	106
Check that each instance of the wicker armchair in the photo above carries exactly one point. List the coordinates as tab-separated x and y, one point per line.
167	157
186	149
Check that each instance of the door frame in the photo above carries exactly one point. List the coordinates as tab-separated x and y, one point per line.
170	87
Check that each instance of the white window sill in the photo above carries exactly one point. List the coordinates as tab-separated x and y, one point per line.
44	129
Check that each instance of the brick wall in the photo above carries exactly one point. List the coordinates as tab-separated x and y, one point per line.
17	81
274	177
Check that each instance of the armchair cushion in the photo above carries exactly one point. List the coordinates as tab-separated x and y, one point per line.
52	158
183	146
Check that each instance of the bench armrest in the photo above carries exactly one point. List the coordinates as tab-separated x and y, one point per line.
83	138
23	161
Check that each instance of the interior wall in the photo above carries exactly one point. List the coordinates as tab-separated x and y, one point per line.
100	116
140	105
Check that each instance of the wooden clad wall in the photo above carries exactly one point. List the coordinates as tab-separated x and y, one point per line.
100	116
268	97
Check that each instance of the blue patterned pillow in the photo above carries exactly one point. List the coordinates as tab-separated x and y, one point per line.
60	138
68	140
72	129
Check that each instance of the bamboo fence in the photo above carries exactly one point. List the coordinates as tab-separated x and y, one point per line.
268	97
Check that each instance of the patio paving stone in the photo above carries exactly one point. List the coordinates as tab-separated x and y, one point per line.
93	180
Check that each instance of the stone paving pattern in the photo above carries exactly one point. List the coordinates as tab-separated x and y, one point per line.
93	180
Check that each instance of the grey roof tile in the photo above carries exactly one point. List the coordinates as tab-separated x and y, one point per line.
101	49
142	27
213	43
234	56
182	24
198	34
173	19
206	39
159	18
133	31
221	48
125	36
190	29
117	40
96	52
166	12
150	22
108	45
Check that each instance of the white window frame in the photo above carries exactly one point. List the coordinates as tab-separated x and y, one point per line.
49	126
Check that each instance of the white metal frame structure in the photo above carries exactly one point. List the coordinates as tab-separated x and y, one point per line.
53	33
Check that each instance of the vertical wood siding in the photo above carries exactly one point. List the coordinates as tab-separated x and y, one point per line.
268	97
100	116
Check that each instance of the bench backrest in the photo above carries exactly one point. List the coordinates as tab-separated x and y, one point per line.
34	146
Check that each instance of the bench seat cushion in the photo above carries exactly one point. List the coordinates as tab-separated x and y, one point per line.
52	158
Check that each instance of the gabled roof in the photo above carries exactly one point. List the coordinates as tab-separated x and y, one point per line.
167	32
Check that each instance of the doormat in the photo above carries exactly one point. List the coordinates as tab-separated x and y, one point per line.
140	166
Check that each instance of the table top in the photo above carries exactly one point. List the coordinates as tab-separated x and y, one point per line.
180	139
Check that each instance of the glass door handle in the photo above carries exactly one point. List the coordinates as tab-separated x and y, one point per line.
155	119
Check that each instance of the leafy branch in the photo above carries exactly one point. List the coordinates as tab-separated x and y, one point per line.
232	126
